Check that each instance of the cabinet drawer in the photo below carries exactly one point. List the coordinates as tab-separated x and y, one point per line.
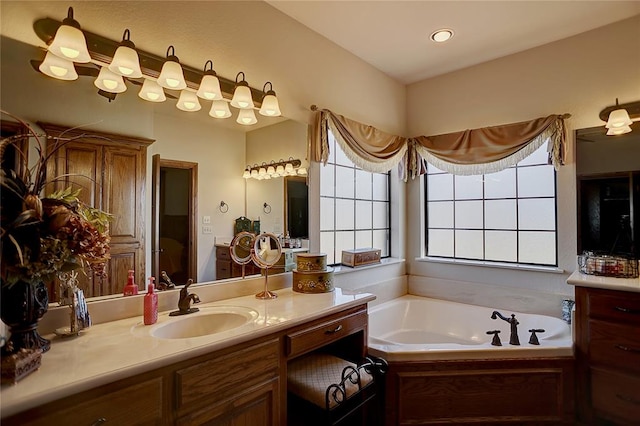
623	307
614	344
216	379
222	253
140	404
299	342
615	396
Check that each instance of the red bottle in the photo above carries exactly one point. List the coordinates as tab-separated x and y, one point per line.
150	304
131	288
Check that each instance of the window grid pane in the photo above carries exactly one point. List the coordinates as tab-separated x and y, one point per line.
509	216
354	207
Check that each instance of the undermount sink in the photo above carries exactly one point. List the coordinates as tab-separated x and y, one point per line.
208	321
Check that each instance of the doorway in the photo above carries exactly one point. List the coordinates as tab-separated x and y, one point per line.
174	197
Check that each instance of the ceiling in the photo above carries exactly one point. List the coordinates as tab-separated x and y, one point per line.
393	36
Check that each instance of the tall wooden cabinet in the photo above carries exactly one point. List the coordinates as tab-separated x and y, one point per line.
111	170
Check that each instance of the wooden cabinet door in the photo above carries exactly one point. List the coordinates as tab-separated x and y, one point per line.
123	196
111	170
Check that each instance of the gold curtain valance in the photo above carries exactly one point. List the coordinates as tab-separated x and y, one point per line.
470	152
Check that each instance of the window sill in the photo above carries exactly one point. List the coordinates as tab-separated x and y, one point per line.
342	269
533	268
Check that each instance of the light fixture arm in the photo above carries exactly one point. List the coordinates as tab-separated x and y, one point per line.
633	109
69	20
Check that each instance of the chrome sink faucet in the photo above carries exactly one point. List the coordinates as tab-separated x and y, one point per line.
513	338
185	300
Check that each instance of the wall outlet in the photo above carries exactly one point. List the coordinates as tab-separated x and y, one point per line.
207	230
206	219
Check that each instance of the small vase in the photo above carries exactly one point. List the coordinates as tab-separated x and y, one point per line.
22	306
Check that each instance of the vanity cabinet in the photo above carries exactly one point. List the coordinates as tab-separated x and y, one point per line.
244	384
608	354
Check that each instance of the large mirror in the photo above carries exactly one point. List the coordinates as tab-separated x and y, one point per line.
608	189
221	149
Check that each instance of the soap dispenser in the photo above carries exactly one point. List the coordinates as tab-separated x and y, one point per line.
131	288
150	304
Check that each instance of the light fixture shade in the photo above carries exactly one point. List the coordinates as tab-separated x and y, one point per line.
246	174
271	170
262	172
246	117
270	106
288	169
152	91
220	109
109	81
618	118
171	75
614	131
280	170
255	174
188	101
302	171
242	94
125	61
69	41
57	67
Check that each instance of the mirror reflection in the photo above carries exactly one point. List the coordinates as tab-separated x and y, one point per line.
608	189
221	150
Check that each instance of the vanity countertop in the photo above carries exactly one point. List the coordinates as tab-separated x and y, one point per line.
115	350
607	283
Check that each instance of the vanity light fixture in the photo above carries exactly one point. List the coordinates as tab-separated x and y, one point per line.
109	81
242	94
209	88
171	75
188	101
441	35
290	167
151	91
125	61
69	41
620	117
57	67
246	117
270	106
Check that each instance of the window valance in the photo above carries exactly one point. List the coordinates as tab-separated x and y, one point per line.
469	152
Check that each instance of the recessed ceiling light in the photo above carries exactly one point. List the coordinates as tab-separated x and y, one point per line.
442	35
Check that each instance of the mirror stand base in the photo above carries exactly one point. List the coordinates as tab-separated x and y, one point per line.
266	295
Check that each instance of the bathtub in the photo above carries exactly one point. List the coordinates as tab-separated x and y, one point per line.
414	328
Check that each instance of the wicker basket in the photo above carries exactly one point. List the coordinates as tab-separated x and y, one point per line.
608	265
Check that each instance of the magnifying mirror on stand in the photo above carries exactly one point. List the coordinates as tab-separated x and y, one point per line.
266	253
240	249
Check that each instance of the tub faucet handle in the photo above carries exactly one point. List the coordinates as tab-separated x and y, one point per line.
533	340
496	339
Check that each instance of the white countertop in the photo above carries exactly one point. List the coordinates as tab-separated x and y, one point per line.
115	350
607	283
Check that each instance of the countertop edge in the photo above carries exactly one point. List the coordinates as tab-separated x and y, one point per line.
579	279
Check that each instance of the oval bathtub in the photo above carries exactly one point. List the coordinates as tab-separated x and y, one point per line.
414	328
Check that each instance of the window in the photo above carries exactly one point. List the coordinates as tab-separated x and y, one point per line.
354	207
509	216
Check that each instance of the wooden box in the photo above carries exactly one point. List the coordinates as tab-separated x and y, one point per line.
359	257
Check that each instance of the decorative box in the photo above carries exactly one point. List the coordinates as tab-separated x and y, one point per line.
359	257
313	281
311	262
20	364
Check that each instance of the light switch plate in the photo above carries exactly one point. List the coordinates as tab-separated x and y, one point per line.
206	219
207	230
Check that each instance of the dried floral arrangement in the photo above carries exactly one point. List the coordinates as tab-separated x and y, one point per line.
44	235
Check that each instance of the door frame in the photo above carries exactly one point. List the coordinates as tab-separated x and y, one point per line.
157	164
